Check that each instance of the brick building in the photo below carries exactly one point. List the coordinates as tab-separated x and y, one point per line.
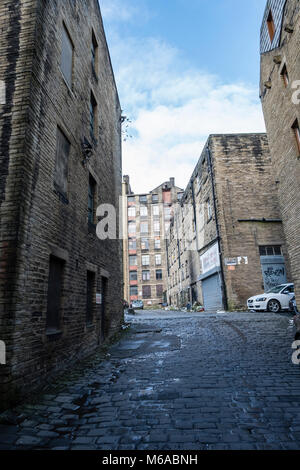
60	154
226	239
279	90
146	222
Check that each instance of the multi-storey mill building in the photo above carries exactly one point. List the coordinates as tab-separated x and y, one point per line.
146	221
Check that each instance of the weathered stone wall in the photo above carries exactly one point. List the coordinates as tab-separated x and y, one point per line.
245	195
244	215
34	218
280	113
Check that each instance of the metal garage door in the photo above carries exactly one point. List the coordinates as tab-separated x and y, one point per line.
212	293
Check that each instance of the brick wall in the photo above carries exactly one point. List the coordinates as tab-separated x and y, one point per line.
280	113
35	220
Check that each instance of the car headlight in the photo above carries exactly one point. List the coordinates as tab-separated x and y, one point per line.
262	299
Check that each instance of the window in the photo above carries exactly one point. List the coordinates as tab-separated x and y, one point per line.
154	197
168	213
94	54
285	76
159	274
132	228
61	165
179	196
55	285
144	227
157	244
296	130
156	227
145	260
91	200
134	291
133	276
155	210
132	244
158	260
270	250
209	211
146	292
159	290
93	116
145	244
146	275
132	261
143	199
289	290
143	211
131	211
271	26
90	296
67	52
131	199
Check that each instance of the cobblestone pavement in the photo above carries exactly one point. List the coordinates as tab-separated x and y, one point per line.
175	381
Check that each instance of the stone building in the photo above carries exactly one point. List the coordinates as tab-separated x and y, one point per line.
280	96
226	239
146	221
60	154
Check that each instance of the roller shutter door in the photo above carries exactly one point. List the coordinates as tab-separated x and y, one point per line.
212	293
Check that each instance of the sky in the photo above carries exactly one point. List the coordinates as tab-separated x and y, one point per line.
184	69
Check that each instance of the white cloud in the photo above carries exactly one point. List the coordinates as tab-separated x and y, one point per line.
118	10
174	107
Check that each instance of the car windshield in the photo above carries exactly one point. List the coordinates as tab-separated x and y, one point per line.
276	289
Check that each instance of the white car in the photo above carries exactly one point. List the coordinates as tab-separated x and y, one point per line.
275	300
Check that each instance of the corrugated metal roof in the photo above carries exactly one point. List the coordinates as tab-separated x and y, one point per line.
277	8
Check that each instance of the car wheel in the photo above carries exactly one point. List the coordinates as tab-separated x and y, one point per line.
274	306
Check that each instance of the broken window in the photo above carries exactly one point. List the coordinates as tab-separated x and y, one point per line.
146	292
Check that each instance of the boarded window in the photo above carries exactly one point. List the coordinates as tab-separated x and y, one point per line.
61	164
285	76
54	293
90	296
146	292
159	291
67	57
271	26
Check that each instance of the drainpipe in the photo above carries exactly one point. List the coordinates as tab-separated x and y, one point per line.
223	287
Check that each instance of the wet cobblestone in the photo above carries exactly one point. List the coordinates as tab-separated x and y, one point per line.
175	381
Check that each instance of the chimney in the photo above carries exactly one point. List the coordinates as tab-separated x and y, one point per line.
172	181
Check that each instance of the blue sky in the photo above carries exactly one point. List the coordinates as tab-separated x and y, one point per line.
184	69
